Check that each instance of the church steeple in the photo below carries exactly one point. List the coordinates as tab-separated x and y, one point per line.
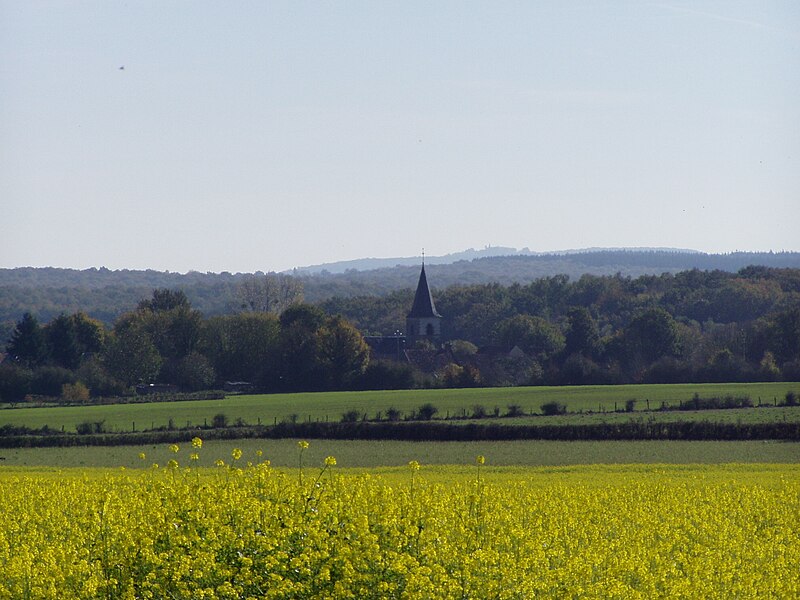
423	301
423	322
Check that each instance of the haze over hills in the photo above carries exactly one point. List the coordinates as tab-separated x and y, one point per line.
368	264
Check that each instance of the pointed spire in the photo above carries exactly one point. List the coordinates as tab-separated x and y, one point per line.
423	301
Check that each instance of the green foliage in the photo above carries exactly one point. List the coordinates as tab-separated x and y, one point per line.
27	346
553	408
534	335
426	412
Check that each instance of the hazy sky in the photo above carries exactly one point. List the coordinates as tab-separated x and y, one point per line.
247	136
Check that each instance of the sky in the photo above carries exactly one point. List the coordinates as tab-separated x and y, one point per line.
245	136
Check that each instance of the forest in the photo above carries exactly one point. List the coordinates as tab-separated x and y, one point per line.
106	294
692	326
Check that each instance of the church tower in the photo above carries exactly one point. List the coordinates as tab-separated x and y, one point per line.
423	322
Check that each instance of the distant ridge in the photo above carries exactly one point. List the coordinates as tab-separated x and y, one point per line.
369	264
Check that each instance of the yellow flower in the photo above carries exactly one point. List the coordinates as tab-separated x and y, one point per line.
413	465
330	461
194	456
174	448
259	453
142	456
236	454
480	459
219	462
197	443
302	444
154	465
172	464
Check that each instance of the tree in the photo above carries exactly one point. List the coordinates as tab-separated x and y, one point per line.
652	334
15	382
194	372
300	349
164	300
582	334
272	293
62	342
343	353
534	335
27	345
243	347
131	357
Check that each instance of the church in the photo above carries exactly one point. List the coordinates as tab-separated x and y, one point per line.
423	323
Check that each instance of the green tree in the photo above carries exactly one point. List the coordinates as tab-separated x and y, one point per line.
27	346
243	347
651	335
534	335
582	335
131	357
62	342
343	353
194	372
164	299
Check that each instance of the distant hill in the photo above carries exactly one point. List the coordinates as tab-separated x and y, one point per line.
522	268
105	294
369	264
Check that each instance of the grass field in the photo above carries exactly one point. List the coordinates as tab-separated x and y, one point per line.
331	405
391	454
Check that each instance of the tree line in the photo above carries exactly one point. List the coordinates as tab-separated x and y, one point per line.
166	340
693	326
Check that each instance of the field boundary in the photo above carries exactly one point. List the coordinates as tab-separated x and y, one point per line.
419	431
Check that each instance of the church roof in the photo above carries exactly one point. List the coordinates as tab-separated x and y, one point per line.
423	301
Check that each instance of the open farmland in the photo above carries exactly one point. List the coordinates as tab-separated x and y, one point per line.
472	531
330	406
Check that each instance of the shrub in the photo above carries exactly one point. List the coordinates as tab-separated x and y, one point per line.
479	411
630	405
219	421
393	414
515	410
553	408
89	427
790	399
351	416
426	412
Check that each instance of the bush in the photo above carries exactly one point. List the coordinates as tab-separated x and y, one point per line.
550	409
790	399
15	382
630	405
47	381
75	392
351	416
479	411
219	421
426	412
89	427
515	410
393	414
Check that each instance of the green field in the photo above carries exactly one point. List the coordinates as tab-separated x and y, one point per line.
330	405
284	453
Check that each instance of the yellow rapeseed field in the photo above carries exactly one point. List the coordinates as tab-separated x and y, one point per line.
246	530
